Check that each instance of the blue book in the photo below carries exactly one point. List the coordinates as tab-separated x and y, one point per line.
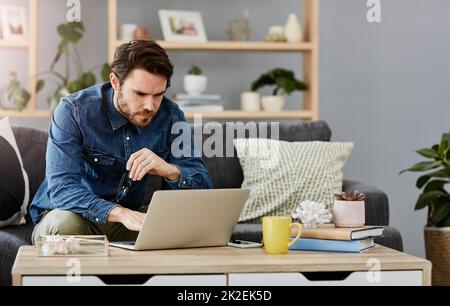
350	246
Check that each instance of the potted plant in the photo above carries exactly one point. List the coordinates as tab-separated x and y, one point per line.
349	209
436	198
195	82
65	83
14	95
285	83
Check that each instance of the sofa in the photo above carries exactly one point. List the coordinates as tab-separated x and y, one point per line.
226	172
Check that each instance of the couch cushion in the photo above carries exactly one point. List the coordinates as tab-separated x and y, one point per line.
14	187
11	239
32	146
289	131
283	174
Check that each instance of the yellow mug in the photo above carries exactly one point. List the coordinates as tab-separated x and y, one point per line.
277	233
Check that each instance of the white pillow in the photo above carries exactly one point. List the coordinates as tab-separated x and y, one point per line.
14	185
282	174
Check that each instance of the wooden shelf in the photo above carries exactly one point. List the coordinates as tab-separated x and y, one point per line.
25	113
308	49
237	114
234	46
14	44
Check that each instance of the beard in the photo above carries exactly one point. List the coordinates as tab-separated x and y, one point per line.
138	119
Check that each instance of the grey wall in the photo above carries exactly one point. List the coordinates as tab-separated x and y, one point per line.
383	86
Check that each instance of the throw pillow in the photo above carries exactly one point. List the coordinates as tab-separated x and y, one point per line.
282	174
14	187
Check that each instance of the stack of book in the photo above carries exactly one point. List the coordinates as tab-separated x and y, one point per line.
337	239
199	103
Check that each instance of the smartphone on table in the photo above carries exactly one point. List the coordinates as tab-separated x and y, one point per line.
244	244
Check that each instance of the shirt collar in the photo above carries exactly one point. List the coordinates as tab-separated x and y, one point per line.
115	118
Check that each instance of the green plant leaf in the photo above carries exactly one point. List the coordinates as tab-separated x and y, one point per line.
425	199
106	71
445	222
88	80
443	148
435	185
422	166
422	181
39	85
195	70
75	86
441	213
71	32
429	153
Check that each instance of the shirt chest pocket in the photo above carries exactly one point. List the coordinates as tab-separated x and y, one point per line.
102	166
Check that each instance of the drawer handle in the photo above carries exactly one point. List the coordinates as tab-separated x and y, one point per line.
326	276
124	279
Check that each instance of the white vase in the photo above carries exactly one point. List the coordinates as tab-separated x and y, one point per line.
250	101
293	30
195	84
272	103
349	213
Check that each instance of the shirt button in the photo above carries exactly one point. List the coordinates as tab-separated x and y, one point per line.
96	160
184	182
97	219
128	138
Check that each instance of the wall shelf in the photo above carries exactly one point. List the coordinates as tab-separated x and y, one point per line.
14	44
233	46
309	49
26	113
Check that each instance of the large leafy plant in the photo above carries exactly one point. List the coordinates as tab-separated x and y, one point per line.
71	34
434	181
281	79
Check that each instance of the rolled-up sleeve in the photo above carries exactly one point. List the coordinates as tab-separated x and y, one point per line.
194	174
64	170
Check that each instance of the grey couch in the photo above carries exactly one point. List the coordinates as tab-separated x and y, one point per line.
225	172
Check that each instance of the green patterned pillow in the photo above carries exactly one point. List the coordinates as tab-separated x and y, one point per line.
282	174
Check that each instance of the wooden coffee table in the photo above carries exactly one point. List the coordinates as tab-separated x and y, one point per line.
223	266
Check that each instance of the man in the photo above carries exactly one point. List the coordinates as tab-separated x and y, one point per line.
110	146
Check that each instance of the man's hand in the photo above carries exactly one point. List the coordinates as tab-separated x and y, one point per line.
133	220
146	162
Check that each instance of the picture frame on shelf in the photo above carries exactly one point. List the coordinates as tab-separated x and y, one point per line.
14	23
182	26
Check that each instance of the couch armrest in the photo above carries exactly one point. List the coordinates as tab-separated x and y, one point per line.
377	203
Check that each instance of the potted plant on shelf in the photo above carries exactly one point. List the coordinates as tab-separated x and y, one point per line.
285	83
70	33
435	196
14	95
349	209
195	82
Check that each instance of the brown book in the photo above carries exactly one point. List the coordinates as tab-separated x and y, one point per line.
340	233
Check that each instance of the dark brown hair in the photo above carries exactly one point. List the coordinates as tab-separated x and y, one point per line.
141	54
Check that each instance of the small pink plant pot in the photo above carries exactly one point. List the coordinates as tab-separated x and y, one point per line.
349	213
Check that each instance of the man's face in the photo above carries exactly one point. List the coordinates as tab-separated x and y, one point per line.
138	99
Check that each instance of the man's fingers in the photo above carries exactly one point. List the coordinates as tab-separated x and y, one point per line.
133	157
140	175
134	168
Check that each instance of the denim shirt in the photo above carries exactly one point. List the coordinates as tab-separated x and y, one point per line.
88	148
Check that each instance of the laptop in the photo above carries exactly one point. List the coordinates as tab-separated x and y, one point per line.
189	219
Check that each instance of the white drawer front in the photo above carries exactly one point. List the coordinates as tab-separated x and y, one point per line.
156	280
385	278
